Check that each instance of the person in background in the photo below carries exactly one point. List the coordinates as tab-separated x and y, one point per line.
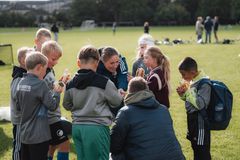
55	30
208	24
199	29
146	27
215	28
114	28
143	129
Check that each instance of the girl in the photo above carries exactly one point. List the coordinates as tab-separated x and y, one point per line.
159	76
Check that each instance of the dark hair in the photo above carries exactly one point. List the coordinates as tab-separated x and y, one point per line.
88	52
188	64
137	84
107	53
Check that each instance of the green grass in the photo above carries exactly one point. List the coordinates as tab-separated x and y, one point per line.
219	61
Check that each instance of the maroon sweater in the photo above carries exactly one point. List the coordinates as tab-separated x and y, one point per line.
158	86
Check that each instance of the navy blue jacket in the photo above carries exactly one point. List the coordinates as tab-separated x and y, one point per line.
120	80
144	131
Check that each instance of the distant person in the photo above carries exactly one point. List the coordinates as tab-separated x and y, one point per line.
143	42
199	29
146	27
17	74
208	24
215	28
143	129
89	96
159	76
34	98
42	35
196	101
55	30
114	27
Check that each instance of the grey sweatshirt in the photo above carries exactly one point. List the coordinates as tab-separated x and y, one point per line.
34	98
88	96
53	116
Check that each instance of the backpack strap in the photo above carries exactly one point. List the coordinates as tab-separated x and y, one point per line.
203	112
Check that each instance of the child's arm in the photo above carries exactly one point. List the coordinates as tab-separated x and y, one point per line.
199	99
67	100
50	99
112	95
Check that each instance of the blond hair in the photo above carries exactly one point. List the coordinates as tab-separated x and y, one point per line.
22	52
35	58
43	32
162	60
50	47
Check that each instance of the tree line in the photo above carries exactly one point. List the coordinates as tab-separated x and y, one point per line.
157	12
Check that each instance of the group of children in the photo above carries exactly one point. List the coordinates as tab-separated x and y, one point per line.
38	126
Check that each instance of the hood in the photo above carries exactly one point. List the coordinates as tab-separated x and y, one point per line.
84	78
18	72
144	98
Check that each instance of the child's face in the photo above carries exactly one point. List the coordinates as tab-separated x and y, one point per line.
40	41
53	59
188	75
149	61
142	48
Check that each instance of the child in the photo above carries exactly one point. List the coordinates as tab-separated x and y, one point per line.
196	101
143	42
159	77
89	96
53	51
33	99
17	74
132	135
42	36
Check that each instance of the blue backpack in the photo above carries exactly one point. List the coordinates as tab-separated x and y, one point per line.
219	111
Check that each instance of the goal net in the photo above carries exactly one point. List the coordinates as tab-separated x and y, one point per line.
6	54
88	25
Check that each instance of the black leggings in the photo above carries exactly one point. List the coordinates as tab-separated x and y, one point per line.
34	151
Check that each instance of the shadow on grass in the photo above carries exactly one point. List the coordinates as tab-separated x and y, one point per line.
5	141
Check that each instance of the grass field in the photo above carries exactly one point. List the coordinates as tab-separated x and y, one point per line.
219	61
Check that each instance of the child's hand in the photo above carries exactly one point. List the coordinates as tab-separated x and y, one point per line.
140	72
122	92
183	88
65	77
58	86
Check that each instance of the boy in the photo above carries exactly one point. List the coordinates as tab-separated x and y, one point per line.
17	74
53	51
196	102
89	96
133	135
42	35
34	98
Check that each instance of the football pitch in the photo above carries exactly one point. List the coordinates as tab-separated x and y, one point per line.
219	62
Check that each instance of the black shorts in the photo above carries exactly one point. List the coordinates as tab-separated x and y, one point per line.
60	131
